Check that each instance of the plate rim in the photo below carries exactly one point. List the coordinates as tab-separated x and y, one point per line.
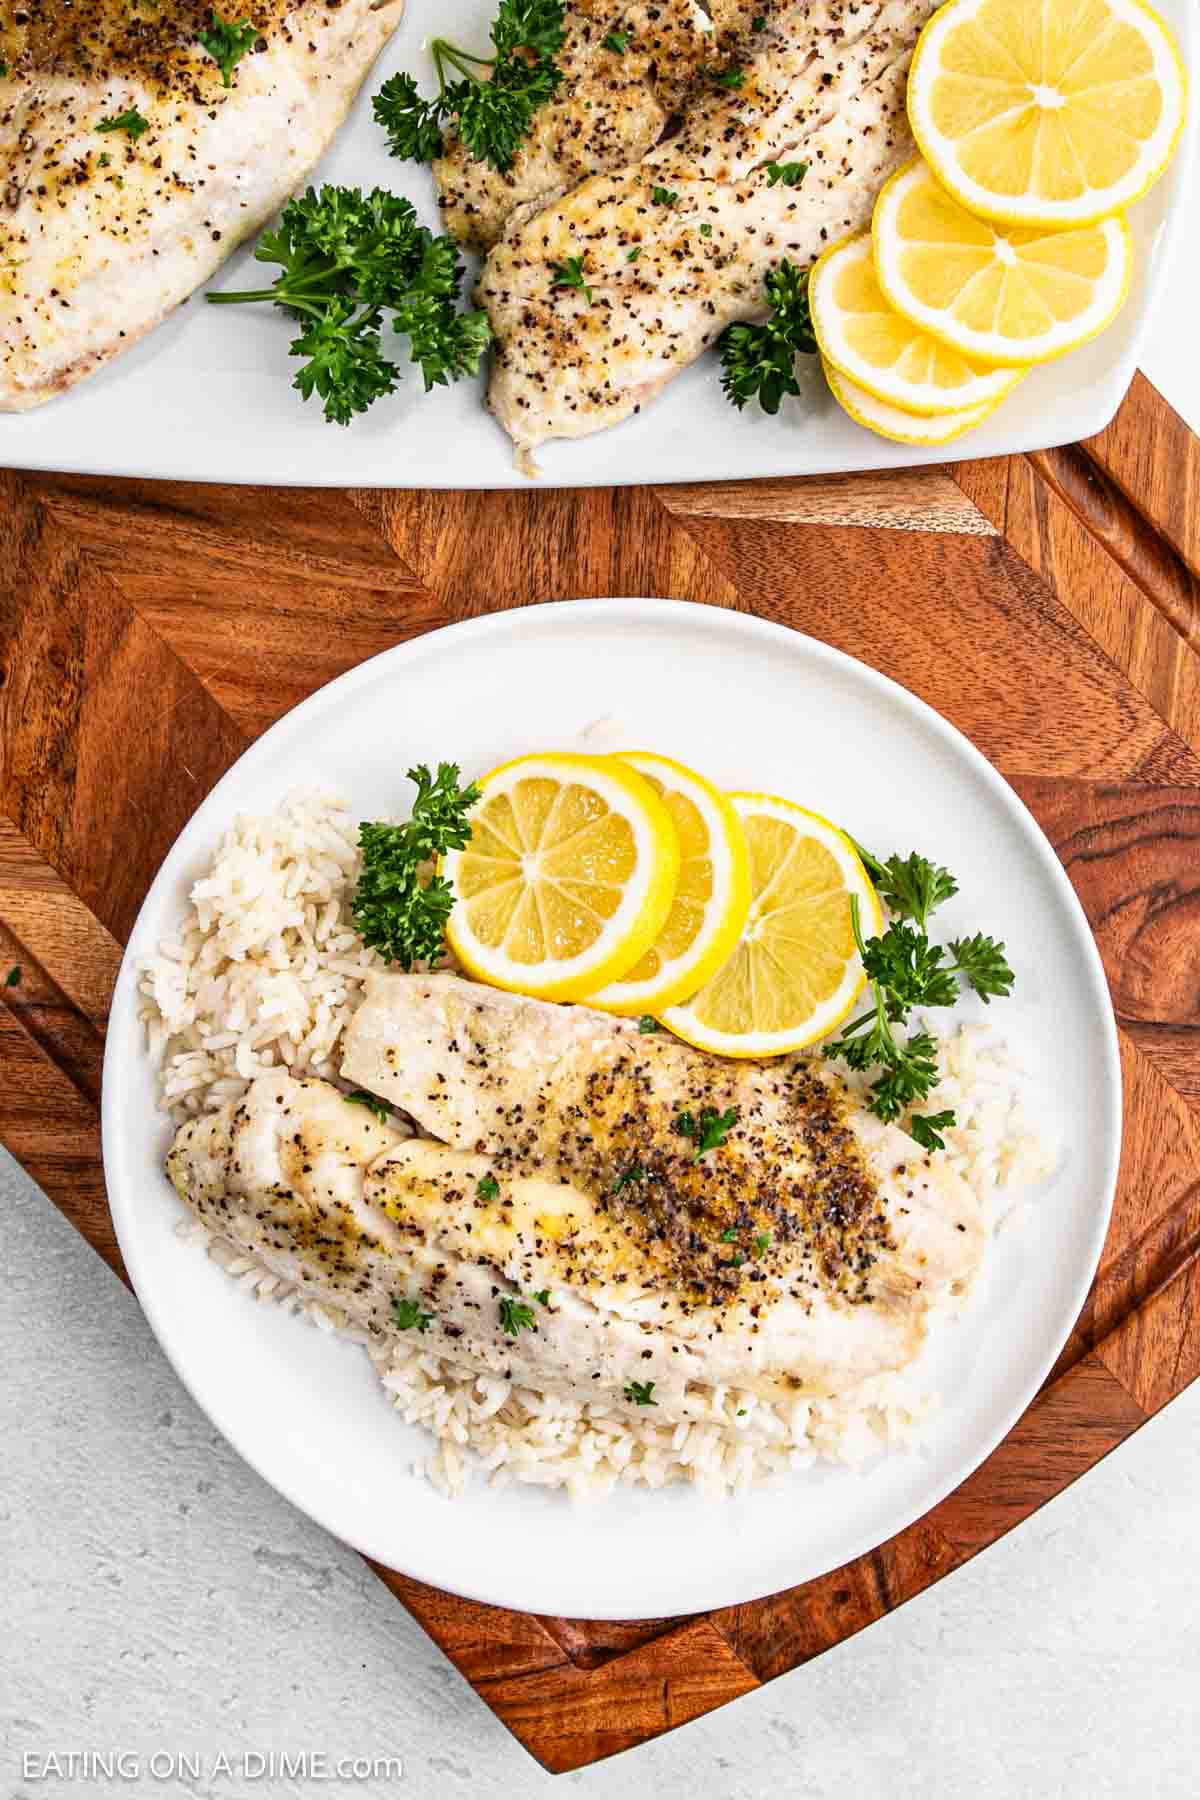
121	1185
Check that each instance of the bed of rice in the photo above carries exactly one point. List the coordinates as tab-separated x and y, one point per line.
266	971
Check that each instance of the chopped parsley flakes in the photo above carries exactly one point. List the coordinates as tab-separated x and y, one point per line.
360	1097
709	1131
570	274
130	121
516	1317
407	1315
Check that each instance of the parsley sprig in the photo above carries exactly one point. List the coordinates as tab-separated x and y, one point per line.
396	910
759	361
640	1393
347	258
911	887
227	41
905	971
493	112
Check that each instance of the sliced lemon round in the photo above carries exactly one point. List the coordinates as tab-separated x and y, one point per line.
903	427
881	351
567	878
1049	114
712	896
1002	295
795	971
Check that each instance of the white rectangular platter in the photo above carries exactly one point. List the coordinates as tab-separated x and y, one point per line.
208	396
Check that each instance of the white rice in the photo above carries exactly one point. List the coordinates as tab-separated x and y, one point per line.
267	970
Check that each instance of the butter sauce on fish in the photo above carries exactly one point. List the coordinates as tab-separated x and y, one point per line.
802	1254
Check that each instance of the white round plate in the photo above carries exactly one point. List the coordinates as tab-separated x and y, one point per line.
754	706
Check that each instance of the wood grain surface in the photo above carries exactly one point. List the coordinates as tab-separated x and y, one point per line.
1047	605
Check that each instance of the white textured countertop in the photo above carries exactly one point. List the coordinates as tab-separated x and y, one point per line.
161	1601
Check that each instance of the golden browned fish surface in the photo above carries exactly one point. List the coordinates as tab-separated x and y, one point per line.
103	233
611	106
677	246
805	1252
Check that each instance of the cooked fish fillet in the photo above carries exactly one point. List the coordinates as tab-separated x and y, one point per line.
647	1290
801	1255
610	108
103	233
678	246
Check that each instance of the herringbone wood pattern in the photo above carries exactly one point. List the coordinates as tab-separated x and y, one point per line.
1047	605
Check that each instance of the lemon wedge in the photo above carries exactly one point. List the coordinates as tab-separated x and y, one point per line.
568	876
1048	113
903	427
880	351
795	972
999	295
712	896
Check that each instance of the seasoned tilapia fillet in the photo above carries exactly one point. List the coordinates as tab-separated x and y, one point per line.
103	233
610	108
801	1254
678	246
800	1257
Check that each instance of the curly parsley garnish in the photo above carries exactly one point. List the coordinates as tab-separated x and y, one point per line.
759	361
131	122
905	970
492	113
789	174
408	1315
664	196
348	258
640	1393
394	909
487	1187
911	887
627	1177
227	41
516	1317
647	1025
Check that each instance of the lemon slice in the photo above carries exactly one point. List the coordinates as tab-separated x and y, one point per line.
881	351
795	971
1000	295
1046	112
567	878
712	896
903	427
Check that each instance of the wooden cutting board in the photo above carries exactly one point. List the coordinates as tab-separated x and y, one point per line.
1048	605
